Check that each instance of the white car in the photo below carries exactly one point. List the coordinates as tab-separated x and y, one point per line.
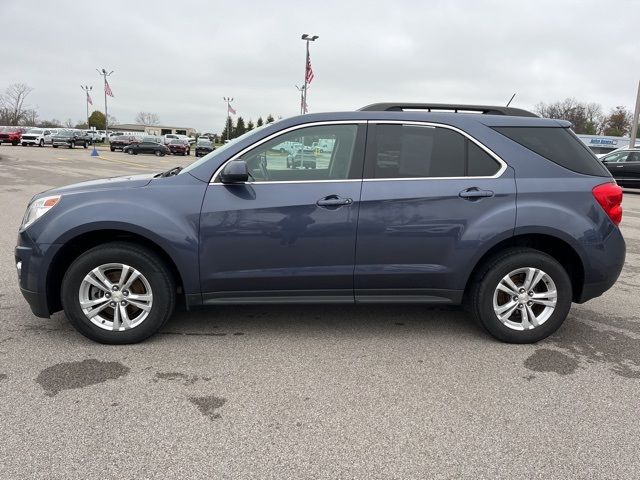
36	136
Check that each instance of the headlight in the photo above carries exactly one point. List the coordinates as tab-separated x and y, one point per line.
38	208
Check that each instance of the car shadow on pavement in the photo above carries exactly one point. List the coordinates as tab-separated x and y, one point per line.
303	320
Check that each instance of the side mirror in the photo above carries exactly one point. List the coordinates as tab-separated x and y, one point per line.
235	172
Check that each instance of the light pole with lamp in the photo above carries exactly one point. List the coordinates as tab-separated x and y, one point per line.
86	89
229	109
107	91
308	73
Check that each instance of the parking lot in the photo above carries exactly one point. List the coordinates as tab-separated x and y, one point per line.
309	391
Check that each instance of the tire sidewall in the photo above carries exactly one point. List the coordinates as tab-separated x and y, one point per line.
506	265
156	274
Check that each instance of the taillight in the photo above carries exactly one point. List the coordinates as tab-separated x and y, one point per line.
609	196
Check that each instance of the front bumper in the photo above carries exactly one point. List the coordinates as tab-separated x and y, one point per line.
34	261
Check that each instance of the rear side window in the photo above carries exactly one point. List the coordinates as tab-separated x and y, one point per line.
558	145
410	151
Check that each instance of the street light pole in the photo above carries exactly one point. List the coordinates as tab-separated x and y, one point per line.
86	90
634	126
104	74
305	86
228	100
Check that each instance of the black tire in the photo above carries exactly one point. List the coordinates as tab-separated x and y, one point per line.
41	143
130	151
54	146
486	280
112	149
140	258
72	144
84	145
14	143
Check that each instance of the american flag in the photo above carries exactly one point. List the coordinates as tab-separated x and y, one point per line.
89	99
308	76
231	110
107	88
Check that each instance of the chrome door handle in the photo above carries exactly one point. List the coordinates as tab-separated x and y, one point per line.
475	193
333	201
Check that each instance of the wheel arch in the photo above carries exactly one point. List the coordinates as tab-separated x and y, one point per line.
551	244
87	240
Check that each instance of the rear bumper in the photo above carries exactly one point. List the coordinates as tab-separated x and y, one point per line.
606	261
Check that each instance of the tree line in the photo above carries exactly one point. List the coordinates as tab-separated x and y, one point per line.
586	117
240	128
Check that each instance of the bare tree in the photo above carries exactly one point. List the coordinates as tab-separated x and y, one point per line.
69	123
12	102
147	118
30	117
585	117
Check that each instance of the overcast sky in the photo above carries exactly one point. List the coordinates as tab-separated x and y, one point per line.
179	58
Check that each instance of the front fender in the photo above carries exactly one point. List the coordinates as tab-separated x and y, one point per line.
166	213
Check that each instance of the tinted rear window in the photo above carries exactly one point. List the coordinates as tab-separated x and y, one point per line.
558	145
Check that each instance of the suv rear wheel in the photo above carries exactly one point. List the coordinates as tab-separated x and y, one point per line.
521	295
118	293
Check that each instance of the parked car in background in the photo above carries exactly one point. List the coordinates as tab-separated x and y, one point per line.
624	165
54	132
413	205
70	139
154	148
121	141
12	135
169	137
203	147
36	136
179	147
95	135
303	158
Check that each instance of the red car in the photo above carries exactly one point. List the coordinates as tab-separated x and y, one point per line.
179	147
12	135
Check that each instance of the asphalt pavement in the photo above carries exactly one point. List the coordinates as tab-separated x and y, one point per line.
309	391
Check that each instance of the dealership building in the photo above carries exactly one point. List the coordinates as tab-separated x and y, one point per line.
158	130
601	144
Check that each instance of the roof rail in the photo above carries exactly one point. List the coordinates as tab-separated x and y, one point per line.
443	107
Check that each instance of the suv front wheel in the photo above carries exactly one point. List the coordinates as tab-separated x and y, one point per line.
118	293
521	295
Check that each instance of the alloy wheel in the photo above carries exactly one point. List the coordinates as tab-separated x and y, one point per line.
525	298
115	297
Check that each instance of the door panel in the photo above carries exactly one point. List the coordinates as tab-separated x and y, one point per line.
419	238
273	239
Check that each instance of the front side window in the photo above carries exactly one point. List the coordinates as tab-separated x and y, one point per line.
415	151
324	152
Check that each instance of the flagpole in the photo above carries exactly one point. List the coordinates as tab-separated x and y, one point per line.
104	73
87	89
303	103
228	126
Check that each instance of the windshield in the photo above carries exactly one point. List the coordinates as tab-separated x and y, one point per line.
65	133
35	131
204	143
222	149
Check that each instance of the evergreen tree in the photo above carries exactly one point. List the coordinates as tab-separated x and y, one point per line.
270	118
250	125
228	130
240	129
260	122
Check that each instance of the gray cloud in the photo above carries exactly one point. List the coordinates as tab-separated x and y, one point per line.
180	59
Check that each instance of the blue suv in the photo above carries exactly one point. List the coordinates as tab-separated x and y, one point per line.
489	207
